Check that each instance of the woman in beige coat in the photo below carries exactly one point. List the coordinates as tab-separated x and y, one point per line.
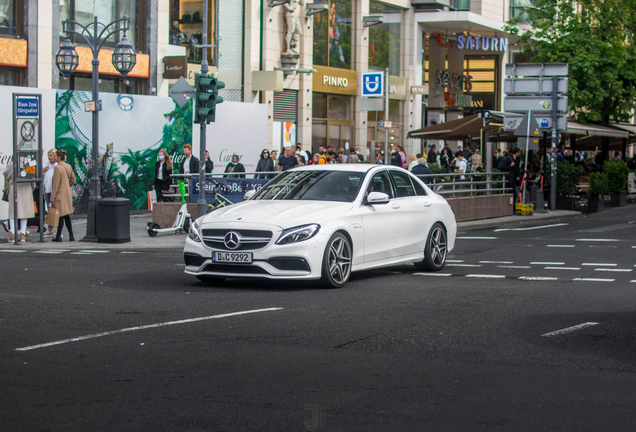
25	204
62	194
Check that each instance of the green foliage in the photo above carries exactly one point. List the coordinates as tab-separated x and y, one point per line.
596	39
616	175
568	176
436	168
599	185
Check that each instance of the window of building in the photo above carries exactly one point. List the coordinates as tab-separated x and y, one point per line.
377	133
333	31
186	28
518	9
10	76
106	84
9	17
460	5
107	11
385	39
332	121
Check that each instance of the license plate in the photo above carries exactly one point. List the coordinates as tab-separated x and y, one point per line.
232	257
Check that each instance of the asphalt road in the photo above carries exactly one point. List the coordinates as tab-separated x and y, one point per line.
474	347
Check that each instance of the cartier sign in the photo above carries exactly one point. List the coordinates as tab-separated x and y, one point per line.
175	67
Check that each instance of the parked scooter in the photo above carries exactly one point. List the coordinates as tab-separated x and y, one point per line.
181	223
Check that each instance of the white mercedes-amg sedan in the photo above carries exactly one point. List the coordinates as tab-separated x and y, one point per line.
323	222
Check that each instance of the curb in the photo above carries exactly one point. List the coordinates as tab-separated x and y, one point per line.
539	217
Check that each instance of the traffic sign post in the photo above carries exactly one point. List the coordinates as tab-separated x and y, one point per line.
372	84
181	92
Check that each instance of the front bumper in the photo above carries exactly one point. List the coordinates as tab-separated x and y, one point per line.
302	260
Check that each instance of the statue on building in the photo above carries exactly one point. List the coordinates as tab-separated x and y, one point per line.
293	28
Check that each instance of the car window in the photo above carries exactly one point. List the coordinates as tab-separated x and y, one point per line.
419	189
403	184
380	183
312	185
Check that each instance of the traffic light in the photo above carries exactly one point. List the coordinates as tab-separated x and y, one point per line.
207	98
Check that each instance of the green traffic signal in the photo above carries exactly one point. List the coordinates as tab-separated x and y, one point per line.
206	97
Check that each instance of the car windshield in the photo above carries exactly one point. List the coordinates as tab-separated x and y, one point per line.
312	185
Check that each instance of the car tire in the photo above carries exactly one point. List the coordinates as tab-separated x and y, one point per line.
435	250
186	225
210	279
336	262
152	229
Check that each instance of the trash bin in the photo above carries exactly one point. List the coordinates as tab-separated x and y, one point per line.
113	220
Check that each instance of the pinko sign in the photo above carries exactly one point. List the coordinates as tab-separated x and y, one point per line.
472	42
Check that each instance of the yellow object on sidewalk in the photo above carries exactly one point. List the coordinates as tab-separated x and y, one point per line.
524	209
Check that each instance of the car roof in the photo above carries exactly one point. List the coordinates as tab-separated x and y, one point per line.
344	167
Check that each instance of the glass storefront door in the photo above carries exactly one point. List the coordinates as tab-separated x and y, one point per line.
332	121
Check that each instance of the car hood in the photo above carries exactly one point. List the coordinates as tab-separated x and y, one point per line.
284	214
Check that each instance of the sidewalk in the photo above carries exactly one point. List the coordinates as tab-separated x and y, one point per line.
139	238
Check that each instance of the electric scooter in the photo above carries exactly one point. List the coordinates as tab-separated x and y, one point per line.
181	223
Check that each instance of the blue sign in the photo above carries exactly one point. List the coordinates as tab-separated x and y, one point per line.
372	84
231	188
544	123
28	107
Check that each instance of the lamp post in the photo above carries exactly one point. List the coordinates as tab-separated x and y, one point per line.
124	60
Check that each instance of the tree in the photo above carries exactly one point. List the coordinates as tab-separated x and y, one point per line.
596	39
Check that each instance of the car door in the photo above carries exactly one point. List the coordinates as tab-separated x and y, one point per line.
381	222
415	207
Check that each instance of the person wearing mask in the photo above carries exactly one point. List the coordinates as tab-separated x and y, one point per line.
327	158
62	194
235	167
396	159
360	155
288	160
421	169
25	204
432	155
163	171
510	164
48	184
190	164
265	164
209	165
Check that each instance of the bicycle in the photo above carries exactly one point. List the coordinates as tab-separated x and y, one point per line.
219	200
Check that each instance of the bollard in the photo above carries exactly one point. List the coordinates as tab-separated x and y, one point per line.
539	207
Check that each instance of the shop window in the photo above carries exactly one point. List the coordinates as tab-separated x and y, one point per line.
10	76
340	107
319	105
394	113
519	9
9	17
319	134
186	28
460	5
83	11
84	82
385	39
333	31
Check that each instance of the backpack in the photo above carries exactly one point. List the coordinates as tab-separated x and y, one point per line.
468	168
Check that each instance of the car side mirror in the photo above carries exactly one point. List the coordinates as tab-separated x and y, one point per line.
377	198
249	194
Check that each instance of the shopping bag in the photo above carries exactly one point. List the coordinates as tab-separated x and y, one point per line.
53	217
152	199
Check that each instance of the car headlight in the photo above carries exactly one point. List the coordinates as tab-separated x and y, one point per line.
298	234
194	233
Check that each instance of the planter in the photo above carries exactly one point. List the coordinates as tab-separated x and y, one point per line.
595	205
618	199
565	202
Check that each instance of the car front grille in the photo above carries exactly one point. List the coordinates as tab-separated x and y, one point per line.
235	269
249	239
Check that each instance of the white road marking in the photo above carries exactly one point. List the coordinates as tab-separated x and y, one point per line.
593	280
81	253
599	265
48	252
561	268
569	329
126	252
546	263
531	228
94	251
12	251
475	238
496	262
454	261
486	276
463	265
432	274
597	240
537	278
144	327
558	246
514	267
633	280
613	270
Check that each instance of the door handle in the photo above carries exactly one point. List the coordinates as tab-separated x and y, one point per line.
395	206
427	204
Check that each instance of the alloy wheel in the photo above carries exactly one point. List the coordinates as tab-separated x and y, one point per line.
339	260
438	246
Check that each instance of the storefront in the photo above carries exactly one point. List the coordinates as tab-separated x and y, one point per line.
186	28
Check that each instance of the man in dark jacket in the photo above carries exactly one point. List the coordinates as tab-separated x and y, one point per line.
510	164
422	171
209	165
190	164
432	155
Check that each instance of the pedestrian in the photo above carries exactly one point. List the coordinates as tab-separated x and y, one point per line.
496	158
327	158
317	157
510	164
445	159
274	156
48	183
190	164
265	164
360	155
432	155
400	150
475	160
321	150
300	159
26	208
62	194
396	159
412	159
341	156
287	160
353	158
209	165
235	167
467	152
462	164
163	171
421	169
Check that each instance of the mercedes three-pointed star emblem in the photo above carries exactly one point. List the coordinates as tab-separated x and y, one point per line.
232	240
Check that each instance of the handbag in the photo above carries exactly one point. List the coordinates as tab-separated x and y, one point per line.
53	217
5	195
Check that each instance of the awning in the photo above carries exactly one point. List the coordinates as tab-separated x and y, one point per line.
594	130
631	128
459	129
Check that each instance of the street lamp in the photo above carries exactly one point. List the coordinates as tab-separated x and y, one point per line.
124	60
